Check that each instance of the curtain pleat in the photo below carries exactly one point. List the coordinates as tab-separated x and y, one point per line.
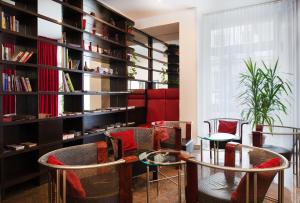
48	79
263	32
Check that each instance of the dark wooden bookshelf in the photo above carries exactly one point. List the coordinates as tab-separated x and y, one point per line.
20	167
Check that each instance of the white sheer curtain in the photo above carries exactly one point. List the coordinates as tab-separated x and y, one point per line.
262	32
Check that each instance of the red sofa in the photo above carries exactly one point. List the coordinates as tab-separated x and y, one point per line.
137	98
162	104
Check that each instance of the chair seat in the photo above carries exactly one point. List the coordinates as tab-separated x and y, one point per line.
280	150
217	188
102	188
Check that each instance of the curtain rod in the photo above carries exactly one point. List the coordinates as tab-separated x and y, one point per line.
248	6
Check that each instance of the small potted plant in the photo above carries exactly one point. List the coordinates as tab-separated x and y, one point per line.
263	94
130	28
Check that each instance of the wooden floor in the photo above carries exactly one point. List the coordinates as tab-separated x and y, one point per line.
168	191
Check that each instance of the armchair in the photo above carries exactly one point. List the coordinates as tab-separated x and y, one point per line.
145	141
174	134
84	174
233	182
226	125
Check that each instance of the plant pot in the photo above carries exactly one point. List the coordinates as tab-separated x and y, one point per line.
259	127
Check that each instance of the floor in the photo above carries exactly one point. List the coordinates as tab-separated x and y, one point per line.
168	191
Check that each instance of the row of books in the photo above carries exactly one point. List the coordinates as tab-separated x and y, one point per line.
21	56
17	147
9	22
67	83
67	61
14	83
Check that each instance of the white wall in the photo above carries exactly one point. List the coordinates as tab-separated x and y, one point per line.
188	59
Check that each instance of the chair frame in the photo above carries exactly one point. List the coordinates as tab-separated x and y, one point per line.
192	165
295	133
59	175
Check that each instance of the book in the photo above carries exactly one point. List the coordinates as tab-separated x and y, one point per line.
17	56
3	22
65	84
24	86
15	147
28	84
24	56
69	82
28	57
29	144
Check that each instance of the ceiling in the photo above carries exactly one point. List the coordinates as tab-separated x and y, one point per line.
138	9
166	33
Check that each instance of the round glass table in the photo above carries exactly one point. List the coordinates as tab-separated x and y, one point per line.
216	138
162	158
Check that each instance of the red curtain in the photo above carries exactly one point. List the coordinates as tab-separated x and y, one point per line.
9	101
48	79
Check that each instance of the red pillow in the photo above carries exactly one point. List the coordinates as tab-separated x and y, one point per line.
162	133
227	127
127	137
73	181
264	180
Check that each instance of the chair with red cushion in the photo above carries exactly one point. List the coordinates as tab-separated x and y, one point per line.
174	134
88	173
246	180
128	141
226	125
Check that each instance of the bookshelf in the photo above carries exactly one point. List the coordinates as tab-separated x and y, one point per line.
156	62
93	46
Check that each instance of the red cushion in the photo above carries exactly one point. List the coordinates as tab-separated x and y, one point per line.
172	93
136	102
162	133
227	127
127	137
264	180
156	94
73	182
172	110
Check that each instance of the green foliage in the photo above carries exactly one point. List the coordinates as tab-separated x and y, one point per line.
263	93
163	75
132	71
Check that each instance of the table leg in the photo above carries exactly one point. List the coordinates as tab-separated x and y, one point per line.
179	183
218	153
201	150
214	152
148	184
157	185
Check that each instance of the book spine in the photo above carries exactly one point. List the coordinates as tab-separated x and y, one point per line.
28	57
28	84
3	22
8	83
24	57
3	81
69	82
66	87
24	84
12	78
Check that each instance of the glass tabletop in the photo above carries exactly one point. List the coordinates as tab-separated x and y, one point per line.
218	137
161	158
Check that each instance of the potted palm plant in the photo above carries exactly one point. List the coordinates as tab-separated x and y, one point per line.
263	94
